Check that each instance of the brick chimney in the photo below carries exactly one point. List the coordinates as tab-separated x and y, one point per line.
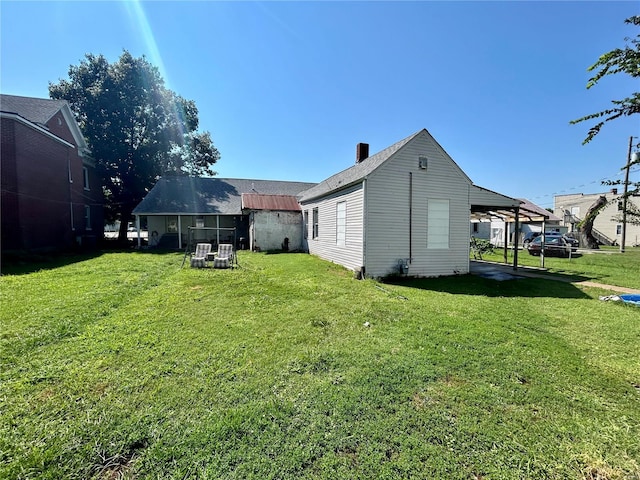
362	152
614	191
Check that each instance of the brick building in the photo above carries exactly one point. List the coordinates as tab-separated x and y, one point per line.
51	196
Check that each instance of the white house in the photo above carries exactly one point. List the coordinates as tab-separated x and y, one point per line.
179	211
403	210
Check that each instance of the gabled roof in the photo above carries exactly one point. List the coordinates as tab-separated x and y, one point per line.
209	196
283	203
356	172
36	110
40	110
531	209
360	171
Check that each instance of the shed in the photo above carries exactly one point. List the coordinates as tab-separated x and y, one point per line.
275	221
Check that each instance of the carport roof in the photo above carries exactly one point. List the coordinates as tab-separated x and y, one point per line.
487	204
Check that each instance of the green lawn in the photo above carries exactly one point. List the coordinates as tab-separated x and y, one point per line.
124	365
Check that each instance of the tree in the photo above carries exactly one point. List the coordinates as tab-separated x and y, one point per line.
585	227
136	128
621	60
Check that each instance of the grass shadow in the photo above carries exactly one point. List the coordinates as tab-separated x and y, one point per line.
23	264
474	285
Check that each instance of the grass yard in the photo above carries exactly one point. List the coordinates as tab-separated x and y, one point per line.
126	366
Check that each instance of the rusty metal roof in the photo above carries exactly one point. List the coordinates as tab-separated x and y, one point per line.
256	201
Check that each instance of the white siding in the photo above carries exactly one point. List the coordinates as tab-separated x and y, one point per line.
326	245
270	229
388	211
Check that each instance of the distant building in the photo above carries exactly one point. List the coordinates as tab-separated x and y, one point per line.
492	225
607	227
51	196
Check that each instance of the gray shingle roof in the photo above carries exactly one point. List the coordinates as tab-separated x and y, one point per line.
355	173
209	196
36	110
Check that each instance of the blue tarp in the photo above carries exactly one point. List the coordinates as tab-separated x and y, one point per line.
632	298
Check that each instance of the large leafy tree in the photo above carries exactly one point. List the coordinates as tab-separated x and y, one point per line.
621	60
136	128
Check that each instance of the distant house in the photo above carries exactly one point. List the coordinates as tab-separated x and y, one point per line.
404	210
256	213
51	196
607	227
496	226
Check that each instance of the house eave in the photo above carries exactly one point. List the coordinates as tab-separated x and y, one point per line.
39	129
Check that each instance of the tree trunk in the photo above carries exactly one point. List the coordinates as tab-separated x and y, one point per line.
586	226
125	218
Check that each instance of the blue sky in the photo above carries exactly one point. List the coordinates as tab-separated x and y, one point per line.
287	89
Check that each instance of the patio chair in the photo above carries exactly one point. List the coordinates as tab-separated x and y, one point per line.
199	258
224	257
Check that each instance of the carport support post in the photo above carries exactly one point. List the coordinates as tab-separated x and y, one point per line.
542	242
515	239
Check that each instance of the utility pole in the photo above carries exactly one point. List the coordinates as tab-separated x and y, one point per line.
624	197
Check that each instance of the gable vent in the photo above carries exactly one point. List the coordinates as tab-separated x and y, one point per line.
422	163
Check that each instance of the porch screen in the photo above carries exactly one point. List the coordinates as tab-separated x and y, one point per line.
437	223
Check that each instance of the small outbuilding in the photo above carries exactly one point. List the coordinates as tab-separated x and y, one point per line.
275	221
404	210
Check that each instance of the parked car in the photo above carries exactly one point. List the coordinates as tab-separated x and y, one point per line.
530	236
554	245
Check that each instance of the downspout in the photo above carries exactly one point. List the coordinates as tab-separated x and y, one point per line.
364	227
410	216
73	228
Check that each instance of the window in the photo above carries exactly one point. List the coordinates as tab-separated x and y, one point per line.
618	229
437	223
315	223
575	211
341	223
475	227
85	177
87	217
306	224
199	221
620	205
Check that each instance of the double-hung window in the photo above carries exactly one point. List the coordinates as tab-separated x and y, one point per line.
315	223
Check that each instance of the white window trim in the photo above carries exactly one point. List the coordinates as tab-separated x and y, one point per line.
85	178
341	223
87	217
